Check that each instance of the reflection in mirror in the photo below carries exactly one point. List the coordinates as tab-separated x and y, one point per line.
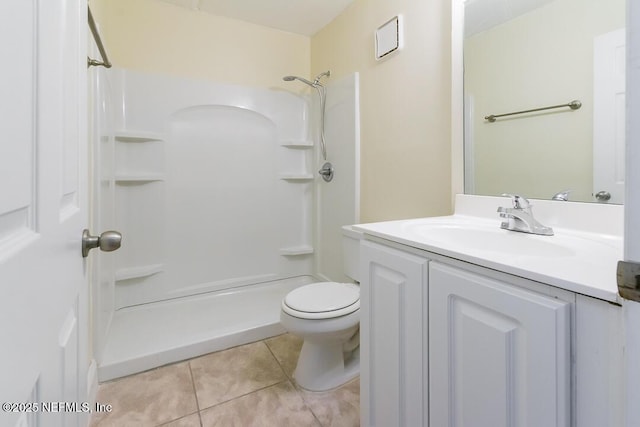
527	54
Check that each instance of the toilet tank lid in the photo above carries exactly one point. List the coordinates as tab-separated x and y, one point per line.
323	296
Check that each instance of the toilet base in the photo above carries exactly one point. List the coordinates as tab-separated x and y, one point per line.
323	366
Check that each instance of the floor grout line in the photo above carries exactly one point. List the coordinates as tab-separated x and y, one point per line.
301	394
248	393
195	392
293	383
180	418
278	362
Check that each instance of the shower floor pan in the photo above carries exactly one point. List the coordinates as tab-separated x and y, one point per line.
151	335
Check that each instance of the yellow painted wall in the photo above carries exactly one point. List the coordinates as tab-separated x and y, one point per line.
405	108
154	36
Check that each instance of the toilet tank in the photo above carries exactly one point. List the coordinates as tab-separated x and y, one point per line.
351	252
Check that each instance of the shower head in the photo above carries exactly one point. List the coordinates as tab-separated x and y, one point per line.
322	93
292	78
319	76
315	83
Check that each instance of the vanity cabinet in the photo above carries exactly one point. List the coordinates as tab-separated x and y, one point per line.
499	355
444	344
393	339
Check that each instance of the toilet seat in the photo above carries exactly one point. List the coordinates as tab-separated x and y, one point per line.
323	300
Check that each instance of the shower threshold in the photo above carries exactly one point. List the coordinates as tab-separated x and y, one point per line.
155	334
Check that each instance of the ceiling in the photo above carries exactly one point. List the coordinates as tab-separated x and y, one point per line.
480	15
305	17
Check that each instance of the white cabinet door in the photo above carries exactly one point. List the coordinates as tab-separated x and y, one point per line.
392	338
499	354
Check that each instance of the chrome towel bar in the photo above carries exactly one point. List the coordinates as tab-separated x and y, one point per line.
574	105
96	36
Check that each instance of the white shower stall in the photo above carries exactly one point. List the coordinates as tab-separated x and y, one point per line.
215	190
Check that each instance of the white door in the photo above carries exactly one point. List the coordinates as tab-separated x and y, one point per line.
43	210
632	216
609	116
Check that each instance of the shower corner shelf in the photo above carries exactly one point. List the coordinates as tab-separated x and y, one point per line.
297	144
297	177
139	178
138	272
296	250
137	136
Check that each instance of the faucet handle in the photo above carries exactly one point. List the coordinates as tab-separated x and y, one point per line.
518	201
562	195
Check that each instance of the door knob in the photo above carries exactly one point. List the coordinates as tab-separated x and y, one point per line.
603	196
107	241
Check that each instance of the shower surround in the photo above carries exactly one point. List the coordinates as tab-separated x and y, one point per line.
215	192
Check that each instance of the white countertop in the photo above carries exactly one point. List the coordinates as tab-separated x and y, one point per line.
581	256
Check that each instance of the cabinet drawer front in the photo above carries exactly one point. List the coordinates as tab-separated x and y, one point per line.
499	354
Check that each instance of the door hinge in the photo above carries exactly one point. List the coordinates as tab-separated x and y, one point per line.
628	276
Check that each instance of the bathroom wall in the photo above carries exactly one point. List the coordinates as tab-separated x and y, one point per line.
542	58
154	36
404	104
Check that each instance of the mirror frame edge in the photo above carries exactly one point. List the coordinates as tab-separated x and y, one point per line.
457	99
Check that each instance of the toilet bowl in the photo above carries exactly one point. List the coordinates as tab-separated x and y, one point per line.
326	315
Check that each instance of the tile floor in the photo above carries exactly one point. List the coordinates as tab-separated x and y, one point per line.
249	385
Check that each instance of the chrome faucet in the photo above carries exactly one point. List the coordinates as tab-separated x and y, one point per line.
520	217
562	196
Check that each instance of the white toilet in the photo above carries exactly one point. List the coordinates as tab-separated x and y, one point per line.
326	315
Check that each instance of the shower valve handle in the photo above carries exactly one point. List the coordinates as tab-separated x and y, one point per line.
326	172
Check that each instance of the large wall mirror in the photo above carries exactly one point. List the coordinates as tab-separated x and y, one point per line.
528	54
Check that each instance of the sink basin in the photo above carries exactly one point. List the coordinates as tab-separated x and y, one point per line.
581	256
492	238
